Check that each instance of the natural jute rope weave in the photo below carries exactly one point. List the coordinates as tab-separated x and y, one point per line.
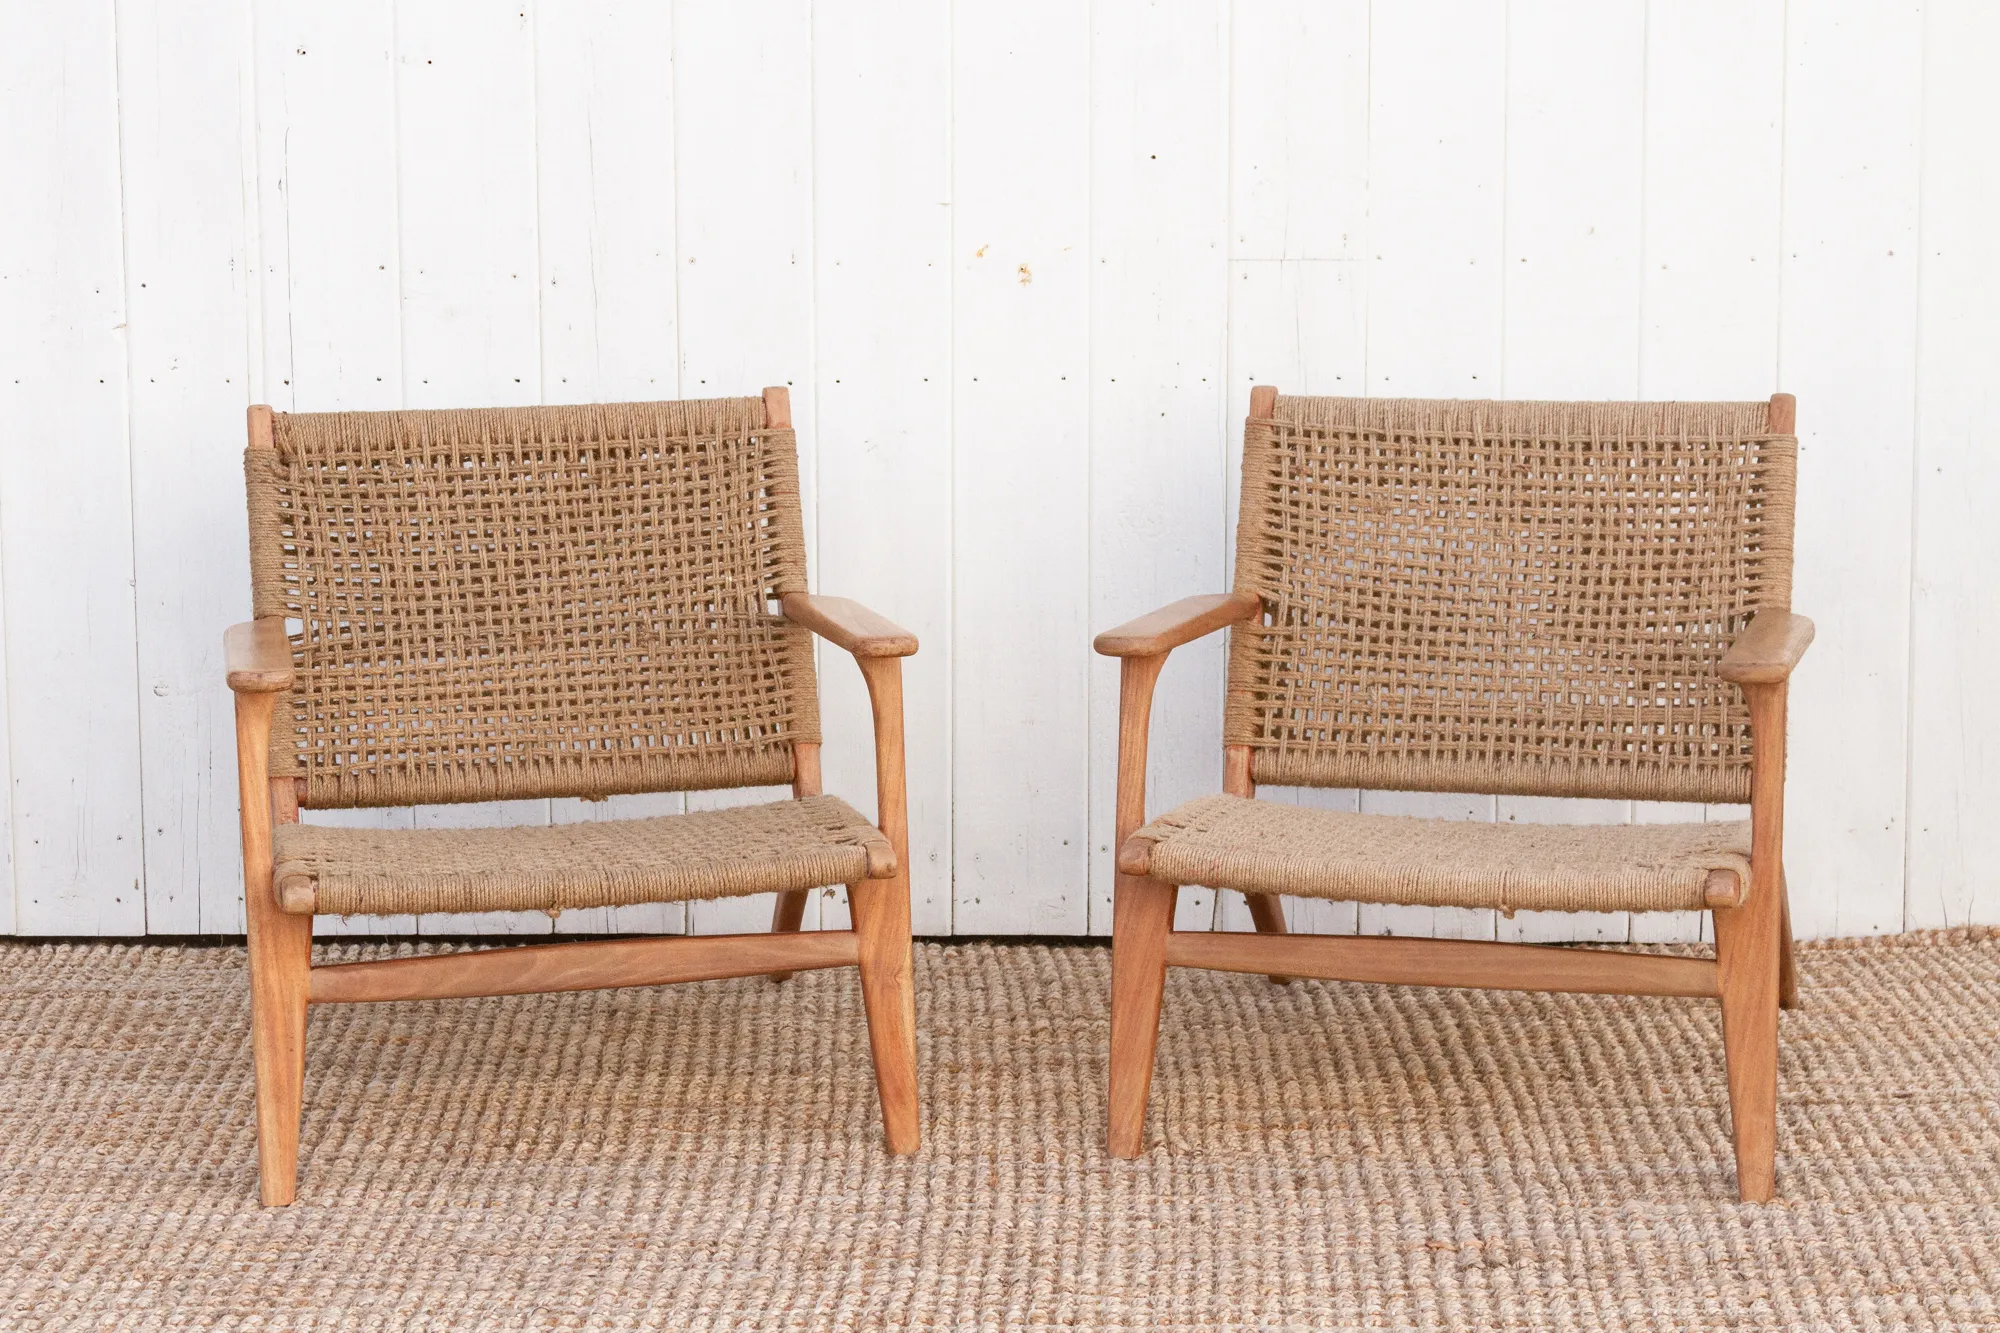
1270	847
537	601
768	848
709	1157
1509	597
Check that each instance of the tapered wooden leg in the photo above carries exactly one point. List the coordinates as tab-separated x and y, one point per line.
1788	967
787	916
1141	916
1267	913
1748	952
280	958
881	911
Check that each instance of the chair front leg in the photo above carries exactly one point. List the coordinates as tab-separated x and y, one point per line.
1750	947
881	912
280	959
1142	913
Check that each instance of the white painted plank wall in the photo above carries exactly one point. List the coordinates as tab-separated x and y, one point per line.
1159	286
1954	817
1021	318
1847	347
1020	266
66	479
882	222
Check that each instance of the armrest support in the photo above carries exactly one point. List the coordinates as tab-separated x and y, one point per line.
1767	651
259	656
849	624
885	699
1171	626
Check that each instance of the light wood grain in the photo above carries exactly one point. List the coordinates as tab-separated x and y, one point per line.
778	407
1173	625
1723	888
881	911
1142	914
1749	952
258	656
848	624
1419	962
1767	651
280	959
534	969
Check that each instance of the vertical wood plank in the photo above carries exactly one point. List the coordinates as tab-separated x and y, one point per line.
1159	175
1436	159
1714	109
604	151
1298	99
1955	717
65	480
331	249
1575	145
605	168
1709	295
882	385
331	283
470	243
182	132
1021	118
743	204
1847	334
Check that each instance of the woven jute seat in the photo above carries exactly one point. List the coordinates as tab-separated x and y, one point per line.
1233	842
520	603
777	846
1515	598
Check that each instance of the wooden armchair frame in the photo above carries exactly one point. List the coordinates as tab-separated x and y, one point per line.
284	983
1752	974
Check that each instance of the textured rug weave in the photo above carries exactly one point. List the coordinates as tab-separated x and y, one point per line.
1321	1156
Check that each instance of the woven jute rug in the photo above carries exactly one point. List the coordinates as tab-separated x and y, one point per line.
1322	1156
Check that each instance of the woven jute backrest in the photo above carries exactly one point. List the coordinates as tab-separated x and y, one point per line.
540	601
1507	597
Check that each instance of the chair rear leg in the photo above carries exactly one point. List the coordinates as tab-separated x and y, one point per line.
786	917
1267	913
1748	952
881	912
1141	916
280	964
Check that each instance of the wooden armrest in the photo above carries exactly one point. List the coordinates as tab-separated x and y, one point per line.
259	656
1171	626
848	624
1768	650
